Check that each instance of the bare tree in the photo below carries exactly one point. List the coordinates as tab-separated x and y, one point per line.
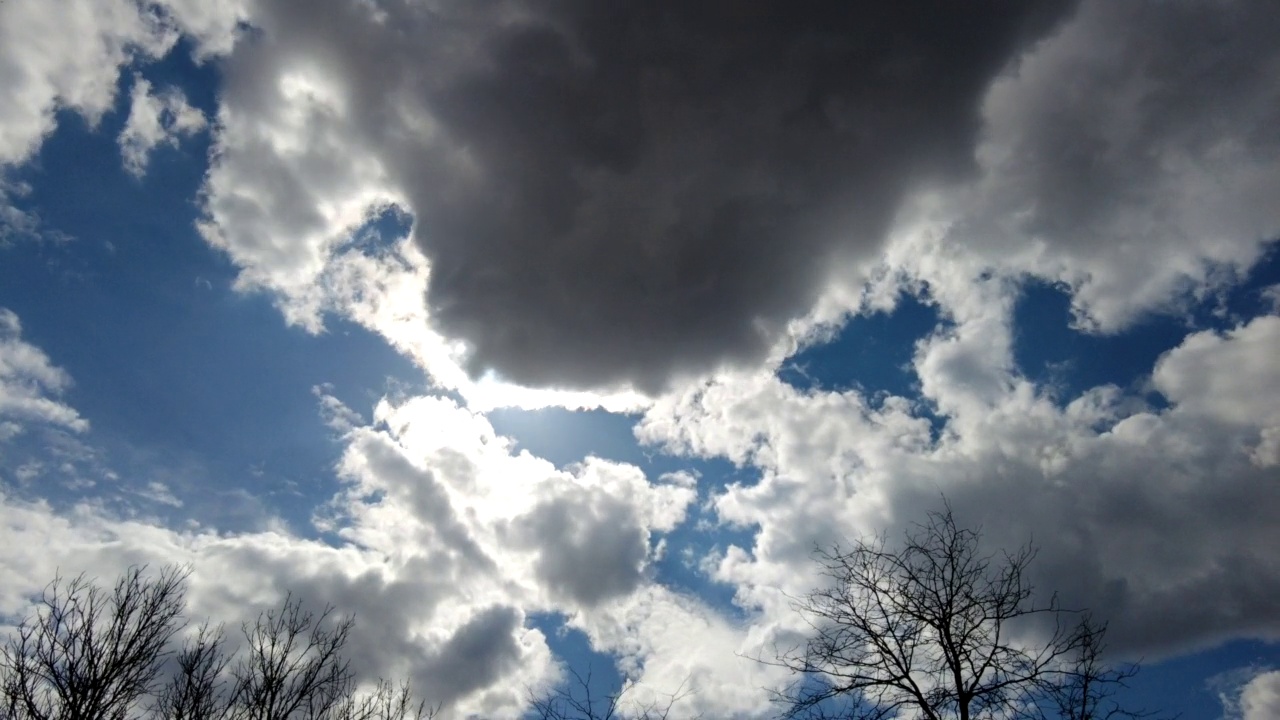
577	701
386	702
1085	688
928	630
290	667
89	654
195	691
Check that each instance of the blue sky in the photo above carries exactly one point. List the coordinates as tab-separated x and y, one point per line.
412	314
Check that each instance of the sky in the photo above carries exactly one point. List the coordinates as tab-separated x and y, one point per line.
549	337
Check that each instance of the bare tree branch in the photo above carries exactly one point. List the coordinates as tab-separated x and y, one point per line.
89	654
576	701
387	702
196	690
291	665
925	629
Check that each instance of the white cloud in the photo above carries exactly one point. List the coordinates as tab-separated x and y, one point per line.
444	542
672	647
1231	377
1249	693
410	619
30	384
155	120
1140	514
1260	697
58	55
1131	156
1158	518
66	54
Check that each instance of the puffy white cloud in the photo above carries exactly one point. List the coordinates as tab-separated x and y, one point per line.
675	650
443	542
1155	518
1260	697
1230	379
155	120
67	54
1130	155
1249	693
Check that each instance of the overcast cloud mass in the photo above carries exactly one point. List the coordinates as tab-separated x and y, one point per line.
664	209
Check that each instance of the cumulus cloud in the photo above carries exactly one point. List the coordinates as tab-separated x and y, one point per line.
68	55
1260	697
605	203
592	532
1230	378
155	120
605	198
674	649
407	623
1154	518
616	200
623	199
1250	693
1131	155
440	545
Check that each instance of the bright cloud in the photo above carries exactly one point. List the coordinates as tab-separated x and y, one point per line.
30	384
1156	512
448	543
652	213
1260	697
155	120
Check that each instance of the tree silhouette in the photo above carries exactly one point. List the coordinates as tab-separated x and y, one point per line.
936	629
87	654
575	700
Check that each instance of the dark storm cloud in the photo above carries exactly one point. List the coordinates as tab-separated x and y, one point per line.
651	188
625	191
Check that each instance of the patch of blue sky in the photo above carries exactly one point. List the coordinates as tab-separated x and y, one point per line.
1180	683
179	69
1068	361
597	671
871	353
388	225
137	306
700	540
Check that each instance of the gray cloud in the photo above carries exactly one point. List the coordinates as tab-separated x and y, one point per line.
1159	520
478	654
591	545
1132	152
629	192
